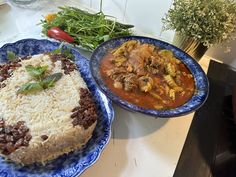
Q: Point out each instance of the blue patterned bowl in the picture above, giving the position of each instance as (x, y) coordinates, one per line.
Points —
(74, 163)
(201, 81)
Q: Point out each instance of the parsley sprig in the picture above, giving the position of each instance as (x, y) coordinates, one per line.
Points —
(42, 81)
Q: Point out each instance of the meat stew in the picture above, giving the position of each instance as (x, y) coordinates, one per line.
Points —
(147, 76)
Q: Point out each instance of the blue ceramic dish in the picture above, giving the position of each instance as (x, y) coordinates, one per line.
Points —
(75, 163)
(201, 81)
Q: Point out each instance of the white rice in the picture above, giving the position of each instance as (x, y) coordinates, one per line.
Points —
(45, 112)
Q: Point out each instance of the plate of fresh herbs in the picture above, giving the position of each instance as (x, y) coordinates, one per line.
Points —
(79, 27)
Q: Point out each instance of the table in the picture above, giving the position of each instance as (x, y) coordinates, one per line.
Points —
(140, 145)
(211, 139)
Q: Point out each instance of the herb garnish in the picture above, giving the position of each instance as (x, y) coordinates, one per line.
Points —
(65, 52)
(30, 88)
(36, 71)
(50, 80)
(43, 82)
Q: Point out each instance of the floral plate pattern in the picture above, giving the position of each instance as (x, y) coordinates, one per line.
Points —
(72, 164)
(200, 78)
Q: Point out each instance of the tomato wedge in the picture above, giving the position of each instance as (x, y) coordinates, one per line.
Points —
(59, 34)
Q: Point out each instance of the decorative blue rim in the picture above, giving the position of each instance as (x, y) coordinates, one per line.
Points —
(74, 163)
(201, 81)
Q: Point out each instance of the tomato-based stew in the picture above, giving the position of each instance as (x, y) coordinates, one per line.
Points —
(147, 76)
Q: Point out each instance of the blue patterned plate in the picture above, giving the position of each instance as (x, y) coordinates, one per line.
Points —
(74, 163)
(201, 81)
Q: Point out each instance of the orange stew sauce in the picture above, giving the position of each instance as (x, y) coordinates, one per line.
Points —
(159, 94)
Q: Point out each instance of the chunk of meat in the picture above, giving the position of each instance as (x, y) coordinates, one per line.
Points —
(130, 82)
(145, 83)
(118, 85)
(118, 70)
(137, 63)
(119, 61)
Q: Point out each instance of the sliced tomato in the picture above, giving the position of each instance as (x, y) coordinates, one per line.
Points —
(60, 35)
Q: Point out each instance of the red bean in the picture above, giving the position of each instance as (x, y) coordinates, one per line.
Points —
(13, 136)
(44, 137)
(84, 115)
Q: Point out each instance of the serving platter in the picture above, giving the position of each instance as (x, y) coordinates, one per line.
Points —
(201, 82)
(72, 164)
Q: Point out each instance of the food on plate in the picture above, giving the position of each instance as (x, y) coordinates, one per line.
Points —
(147, 76)
(86, 29)
(46, 109)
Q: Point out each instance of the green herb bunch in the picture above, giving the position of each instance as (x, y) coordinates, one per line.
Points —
(88, 30)
(207, 21)
(41, 80)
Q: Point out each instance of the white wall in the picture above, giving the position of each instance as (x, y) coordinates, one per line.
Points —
(144, 14)
(219, 52)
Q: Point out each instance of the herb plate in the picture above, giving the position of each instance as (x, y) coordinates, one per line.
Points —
(82, 27)
(72, 164)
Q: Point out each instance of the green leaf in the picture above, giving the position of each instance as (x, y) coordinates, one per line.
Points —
(68, 54)
(49, 81)
(36, 71)
(11, 56)
(57, 51)
(29, 88)
(64, 51)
